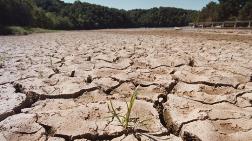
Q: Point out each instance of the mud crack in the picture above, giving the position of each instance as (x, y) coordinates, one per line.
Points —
(105, 136)
(30, 99)
(211, 84)
(158, 104)
(233, 101)
(33, 97)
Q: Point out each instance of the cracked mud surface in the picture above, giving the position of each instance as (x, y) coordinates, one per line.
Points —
(56, 86)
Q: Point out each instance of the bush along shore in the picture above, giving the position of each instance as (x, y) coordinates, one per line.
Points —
(18, 30)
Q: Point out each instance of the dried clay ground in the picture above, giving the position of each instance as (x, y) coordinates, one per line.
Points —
(192, 84)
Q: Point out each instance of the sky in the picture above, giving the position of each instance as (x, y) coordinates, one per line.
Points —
(145, 4)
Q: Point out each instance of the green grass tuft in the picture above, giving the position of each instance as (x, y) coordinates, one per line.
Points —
(126, 119)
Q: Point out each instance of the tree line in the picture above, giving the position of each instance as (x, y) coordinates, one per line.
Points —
(225, 10)
(56, 14)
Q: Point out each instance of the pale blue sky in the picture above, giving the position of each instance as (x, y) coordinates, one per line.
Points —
(144, 4)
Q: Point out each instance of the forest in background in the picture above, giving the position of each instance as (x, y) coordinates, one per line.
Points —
(56, 14)
(226, 10)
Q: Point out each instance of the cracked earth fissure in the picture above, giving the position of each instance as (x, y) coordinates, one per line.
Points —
(67, 80)
(170, 125)
(95, 137)
(211, 84)
(32, 97)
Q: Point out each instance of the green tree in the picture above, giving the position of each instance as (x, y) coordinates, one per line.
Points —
(229, 9)
(16, 12)
(210, 12)
(246, 12)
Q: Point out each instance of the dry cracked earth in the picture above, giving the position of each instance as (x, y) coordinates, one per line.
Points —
(57, 86)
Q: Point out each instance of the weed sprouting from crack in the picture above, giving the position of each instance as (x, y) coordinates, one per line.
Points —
(1, 62)
(125, 120)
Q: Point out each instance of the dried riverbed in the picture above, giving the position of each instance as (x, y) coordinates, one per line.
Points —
(56, 86)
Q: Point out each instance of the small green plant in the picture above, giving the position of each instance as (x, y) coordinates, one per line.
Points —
(123, 120)
(126, 119)
(1, 62)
